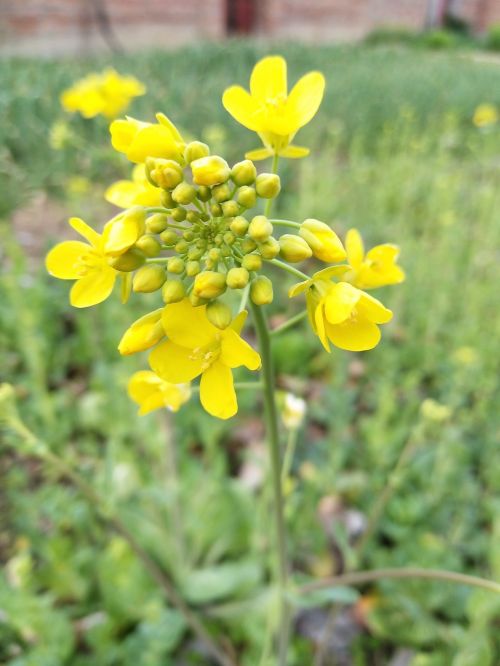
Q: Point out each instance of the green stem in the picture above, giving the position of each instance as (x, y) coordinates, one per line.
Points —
(289, 454)
(289, 323)
(157, 209)
(288, 268)
(272, 432)
(274, 169)
(285, 223)
(244, 298)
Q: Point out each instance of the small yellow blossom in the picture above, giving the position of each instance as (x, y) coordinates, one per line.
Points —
(139, 140)
(144, 333)
(135, 192)
(196, 347)
(106, 93)
(151, 392)
(270, 111)
(485, 116)
(376, 268)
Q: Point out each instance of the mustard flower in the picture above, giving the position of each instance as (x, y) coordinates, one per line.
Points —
(323, 241)
(144, 333)
(151, 392)
(196, 347)
(135, 192)
(139, 140)
(270, 111)
(376, 268)
(107, 94)
(485, 116)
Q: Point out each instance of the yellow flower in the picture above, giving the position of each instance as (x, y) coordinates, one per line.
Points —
(376, 268)
(196, 347)
(150, 392)
(139, 140)
(270, 111)
(323, 241)
(340, 313)
(135, 192)
(144, 333)
(106, 93)
(485, 115)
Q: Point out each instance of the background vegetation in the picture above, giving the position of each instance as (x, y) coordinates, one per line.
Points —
(395, 154)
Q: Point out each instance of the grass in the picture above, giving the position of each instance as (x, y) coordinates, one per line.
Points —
(396, 156)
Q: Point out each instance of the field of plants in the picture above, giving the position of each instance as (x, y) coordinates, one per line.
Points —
(396, 463)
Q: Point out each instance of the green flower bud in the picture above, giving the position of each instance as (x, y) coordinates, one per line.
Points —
(210, 264)
(221, 192)
(195, 253)
(130, 260)
(237, 278)
(246, 196)
(149, 245)
(210, 170)
(248, 245)
(188, 235)
(195, 150)
(175, 265)
(204, 216)
(260, 228)
(178, 214)
(225, 251)
(204, 193)
(156, 223)
(214, 254)
(244, 173)
(294, 248)
(181, 246)
(229, 238)
(252, 262)
(149, 278)
(230, 208)
(268, 185)
(261, 290)
(270, 248)
(216, 210)
(173, 291)
(209, 284)
(184, 194)
(196, 301)
(193, 217)
(193, 268)
(166, 199)
(169, 237)
(239, 226)
(219, 239)
(219, 314)
(165, 173)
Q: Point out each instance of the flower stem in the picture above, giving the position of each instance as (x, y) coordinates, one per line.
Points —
(274, 169)
(289, 323)
(285, 223)
(288, 268)
(271, 415)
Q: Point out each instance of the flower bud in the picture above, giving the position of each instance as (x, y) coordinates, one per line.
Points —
(169, 237)
(294, 248)
(195, 150)
(252, 262)
(195, 253)
(261, 290)
(204, 193)
(237, 278)
(221, 192)
(248, 245)
(149, 245)
(260, 228)
(239, 226)
(230, 208)
(175, 265)
(244, 173)
(197, 301)
(209, 284)
(173, 291)
(166, 199)
(193, 268)
(216, 210)
(165, 173)
(130, 260)
(219, 314)
(156, 223)
(229, 238)
(210, 170)
(268, 185)
(149, 278)
(270, 248)
(178, 214)
(246, 196)
(323, 241)
(181, 246)
(184, 194)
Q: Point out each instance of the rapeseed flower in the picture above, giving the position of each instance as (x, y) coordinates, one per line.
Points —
(151, 392)
(485, 115)
(270, 111)
(144, 333)
(376, 268)
(135, 192)
(139, 140)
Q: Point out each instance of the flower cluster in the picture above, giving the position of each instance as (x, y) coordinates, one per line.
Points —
(197, 228)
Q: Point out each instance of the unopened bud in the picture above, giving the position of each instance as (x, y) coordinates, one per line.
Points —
(214, 254)
(244, 173)
(181, 246)
(175, 265)
(178, 214)
(209, 284)
(195, 150)
(230, 208)
(294, 248)
(130, 260)
(268, 185)
(193, 217)
(197, 301)
(169, 237)
(323, 241)
(221, 192)
(219, 314)
(184, 194)
(237, 278)
(246, 196)
(229, 238)
(165, 173)
(149, 245)
(156, 223)
(252, 262)
(261, 290)
(270, 248)
(193, 268)
(216, 210)
(166, 199)
(260, 228)
(173, 291)
(239, 226)
(248, 245)
(149, 278)
(204, 193)
(195, 253)
(210, 170)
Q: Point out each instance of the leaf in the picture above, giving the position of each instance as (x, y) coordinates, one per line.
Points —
(337, 594)
(221, 582)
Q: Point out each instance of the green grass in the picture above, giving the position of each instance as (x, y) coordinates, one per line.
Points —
(396, 156)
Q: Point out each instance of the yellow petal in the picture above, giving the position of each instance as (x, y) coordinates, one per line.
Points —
(84, 230)
(174, 363)
(217, 393)
(120, 234)
(354, 248)
(354, 335)
(239, 321)
(93, 288)
(123, 194)
(123, 132)
(166, 122)
(144, 389)
(188, 326)
(305, 97)
(125, 287)
(294, 152)
(299, 288)
(320, 325)
(63, 260)
(259, 154)
(241, 105)
(153, 141)
(373, 309)
(340, 301)
(142, 334)
(268, 79)
(235, 351)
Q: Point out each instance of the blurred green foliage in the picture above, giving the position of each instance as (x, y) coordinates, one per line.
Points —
(394, 154)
